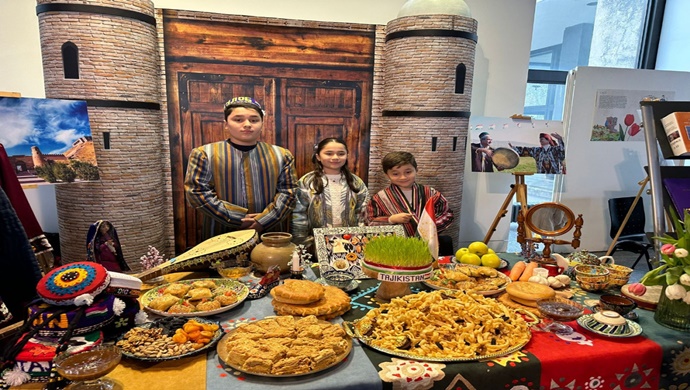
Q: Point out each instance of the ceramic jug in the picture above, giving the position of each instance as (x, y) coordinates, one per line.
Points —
(275, 249)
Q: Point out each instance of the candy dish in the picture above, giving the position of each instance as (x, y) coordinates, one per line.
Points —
(340, 279)
(350, 287)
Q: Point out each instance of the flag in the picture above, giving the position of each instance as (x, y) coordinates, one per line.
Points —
(426, 228)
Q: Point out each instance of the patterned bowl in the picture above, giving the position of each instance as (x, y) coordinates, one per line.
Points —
(619, 275)
(592, 283)
(337, 278)
(606, 322)
(592, 273)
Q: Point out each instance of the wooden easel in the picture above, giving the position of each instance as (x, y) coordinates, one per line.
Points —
(642, 184)
(519, 189)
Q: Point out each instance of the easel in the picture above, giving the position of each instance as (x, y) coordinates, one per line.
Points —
(519, 189)
(642, 184)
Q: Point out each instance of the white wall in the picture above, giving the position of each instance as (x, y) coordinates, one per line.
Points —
(505, 30)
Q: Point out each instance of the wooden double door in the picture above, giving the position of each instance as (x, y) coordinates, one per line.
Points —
(305, 102)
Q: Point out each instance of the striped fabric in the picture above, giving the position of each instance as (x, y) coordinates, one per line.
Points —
(225, 184)
(391, 200)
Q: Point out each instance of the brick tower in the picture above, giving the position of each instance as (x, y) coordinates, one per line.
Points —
(106, 52)
(428, 70)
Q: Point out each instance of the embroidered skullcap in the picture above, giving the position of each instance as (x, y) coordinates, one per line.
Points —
(243, 101)
(483, 135)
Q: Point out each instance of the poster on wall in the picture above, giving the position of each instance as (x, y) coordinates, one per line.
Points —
(508, 145)
(47, 140)
(617, 114)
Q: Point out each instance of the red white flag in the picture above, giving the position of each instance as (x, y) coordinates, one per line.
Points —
(426, 228)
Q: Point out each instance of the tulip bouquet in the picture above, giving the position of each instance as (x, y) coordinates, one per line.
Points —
(675, 272)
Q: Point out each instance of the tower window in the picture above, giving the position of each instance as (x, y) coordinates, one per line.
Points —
(460, 72)
(70, 60)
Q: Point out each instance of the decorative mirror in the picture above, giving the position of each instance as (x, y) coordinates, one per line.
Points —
(550, 220)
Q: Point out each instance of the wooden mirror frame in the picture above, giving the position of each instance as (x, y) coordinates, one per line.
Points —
(548, 237)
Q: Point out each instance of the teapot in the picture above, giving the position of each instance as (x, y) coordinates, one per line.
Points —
(585, 257)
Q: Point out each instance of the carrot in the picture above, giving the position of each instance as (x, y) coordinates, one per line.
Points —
(529, 270)
(517, 270)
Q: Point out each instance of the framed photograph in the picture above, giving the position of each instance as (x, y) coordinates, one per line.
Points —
(343, 247)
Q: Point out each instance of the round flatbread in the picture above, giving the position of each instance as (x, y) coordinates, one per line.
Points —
(334, 301)
(298, 292)
(527, 293)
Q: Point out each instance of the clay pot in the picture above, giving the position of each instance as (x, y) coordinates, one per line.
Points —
(274, 249)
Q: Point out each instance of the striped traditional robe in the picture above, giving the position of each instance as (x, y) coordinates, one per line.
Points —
(225, 184)
(315, 210)
(391, 200)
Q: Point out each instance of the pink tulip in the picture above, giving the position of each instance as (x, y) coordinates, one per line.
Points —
(668, 249)
(629, 119)
(634, 129)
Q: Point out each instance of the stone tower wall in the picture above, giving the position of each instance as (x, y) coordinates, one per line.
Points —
(119, 78)
(419, 103)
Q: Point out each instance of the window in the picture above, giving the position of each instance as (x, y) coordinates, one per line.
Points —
(572, 33)
(70, 60)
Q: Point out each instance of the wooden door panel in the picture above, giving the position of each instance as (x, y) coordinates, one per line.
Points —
(307, 132)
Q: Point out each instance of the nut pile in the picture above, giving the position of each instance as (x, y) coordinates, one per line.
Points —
(152, 343)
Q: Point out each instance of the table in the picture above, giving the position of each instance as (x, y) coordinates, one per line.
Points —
(657, 359)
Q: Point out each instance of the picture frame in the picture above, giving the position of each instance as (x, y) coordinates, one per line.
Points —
(342, 248)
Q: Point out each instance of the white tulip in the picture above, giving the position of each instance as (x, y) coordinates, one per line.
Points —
(685, 280)
(680, 253)
(675, 291)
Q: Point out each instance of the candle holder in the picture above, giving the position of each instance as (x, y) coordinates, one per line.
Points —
(297, 274)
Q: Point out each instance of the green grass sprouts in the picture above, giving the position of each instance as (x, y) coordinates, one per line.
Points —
(398, 251)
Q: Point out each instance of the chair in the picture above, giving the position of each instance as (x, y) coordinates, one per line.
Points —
(632, 237)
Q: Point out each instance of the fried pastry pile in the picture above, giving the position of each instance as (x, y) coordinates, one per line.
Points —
(324, 302)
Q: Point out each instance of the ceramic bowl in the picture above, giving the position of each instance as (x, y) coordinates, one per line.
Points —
(560, 309)
(618, 303)
(594, 283)
(337, 278)
(606, 322)
(619, 275)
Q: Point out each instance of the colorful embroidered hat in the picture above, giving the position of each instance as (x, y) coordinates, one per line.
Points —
(56, 320)
(73, 284)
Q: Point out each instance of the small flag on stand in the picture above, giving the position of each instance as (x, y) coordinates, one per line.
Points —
(426, 228)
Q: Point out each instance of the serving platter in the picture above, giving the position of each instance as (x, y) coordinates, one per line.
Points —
(442, 326)
(648, 300)
(439, 282)
(169, 325)
(368, 342)
(222, 350)
(238, 288)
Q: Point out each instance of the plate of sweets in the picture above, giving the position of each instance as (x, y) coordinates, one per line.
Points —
(170, 338)
(466, 277)
(284, 346)
(195, 297)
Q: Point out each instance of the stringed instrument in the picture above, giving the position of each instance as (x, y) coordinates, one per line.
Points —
(219, 248)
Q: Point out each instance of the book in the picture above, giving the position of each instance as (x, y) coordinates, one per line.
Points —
(679, 191)
(677, 128)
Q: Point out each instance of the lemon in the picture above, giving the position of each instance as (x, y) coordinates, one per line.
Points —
(461, 252)
(491, 260)
(491, 250)
(471, 258)
(478, 248)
